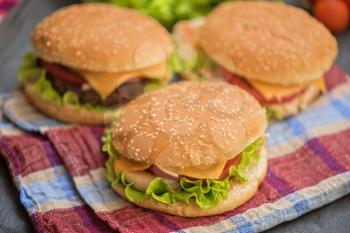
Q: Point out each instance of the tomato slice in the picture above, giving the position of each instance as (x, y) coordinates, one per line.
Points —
(225, 172)
(62, 73)
(239, 81)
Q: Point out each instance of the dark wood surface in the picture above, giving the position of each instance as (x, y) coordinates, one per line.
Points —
(15, 40)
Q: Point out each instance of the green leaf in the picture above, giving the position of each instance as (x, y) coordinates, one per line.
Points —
(107, 144)
(249, 156)
(70, 98)
(152, 85)
(30, 72)
(273, 114)
(133, 194)
(168, 12)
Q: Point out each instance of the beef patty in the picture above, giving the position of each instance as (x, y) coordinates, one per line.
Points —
(123, 94)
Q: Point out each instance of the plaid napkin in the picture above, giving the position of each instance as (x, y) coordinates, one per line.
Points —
(62, 184)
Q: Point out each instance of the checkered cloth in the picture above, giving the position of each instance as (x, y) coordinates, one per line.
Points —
(6, 6)
(62, 184)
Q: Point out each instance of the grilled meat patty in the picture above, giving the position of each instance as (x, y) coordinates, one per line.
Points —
(126, 92)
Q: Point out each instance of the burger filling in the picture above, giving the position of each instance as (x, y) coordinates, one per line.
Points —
(94, 91)
(279, 100)
(141, 180)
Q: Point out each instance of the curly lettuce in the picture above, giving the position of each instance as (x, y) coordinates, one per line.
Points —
(31, 72)
(168, 12)
(207, 193)
(194, 65)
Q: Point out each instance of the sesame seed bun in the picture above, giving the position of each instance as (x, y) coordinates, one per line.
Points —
(189, 124)
(239, 194)
(268, 41)
(101, 38)
(67, 113)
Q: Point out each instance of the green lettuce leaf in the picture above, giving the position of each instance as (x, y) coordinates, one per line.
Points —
(249, 155)
(30, 72)
(194, 65)
(168, 12)
(273, 114)
(206, 193)
(154, 84)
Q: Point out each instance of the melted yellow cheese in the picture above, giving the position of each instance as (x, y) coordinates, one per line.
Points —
(209, 172)
(124, 164)
(271, 91)
(320, 84)
(105, 83)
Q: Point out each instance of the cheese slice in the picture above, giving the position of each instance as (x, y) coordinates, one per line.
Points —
(208, 172)
(124, 164)
(105, 83)
(320, 84)
(271, 91)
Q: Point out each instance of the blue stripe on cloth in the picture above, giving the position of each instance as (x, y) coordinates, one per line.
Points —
(347, 176)
(322, 152)
(295, 125)
(19, 111)
(241, 223)
(27, 199)
(341, 107)
(61, 188)
(98, 194)
(300, 203)
(245, 228)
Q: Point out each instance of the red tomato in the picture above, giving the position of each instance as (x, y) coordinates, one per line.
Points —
(334, 14)
(62, 73)
(239, 81)
(347, 2)
(225, 172)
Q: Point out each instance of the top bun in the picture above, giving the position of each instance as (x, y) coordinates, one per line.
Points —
(101, 38)
(189, 124)
(268, 41)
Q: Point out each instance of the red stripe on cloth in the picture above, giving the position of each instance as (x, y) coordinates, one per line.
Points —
(334, 77)
(300, 169)
(79, 219)
(79, 148)
(339, 146)
(136, 219)
(28, 152)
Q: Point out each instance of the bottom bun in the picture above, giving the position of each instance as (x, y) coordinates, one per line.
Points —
(67, 113)
(239, 194)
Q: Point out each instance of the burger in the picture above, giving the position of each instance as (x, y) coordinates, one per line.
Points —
(91, 59)
(195, 148)
(278, 53)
